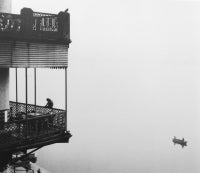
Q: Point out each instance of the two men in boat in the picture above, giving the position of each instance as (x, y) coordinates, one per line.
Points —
(182, 142)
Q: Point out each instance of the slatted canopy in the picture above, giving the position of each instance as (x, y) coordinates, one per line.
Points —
(32, 54)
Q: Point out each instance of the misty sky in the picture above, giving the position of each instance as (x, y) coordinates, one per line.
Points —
(133, 84)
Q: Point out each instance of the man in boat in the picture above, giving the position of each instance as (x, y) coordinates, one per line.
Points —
(182, 142)
(49, 103)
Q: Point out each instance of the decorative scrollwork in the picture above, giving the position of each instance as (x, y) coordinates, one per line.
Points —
(45, 24)
(36, 25)
(39, 14)
(9, 22)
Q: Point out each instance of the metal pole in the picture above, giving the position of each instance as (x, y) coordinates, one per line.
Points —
(16, 90)
(26, 101)
(66, 97)
(35, 86)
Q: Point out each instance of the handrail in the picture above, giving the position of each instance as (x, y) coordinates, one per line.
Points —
(41, 14)
(35, 118)
(13, 102)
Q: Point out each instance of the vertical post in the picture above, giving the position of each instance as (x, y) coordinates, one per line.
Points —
(66, 97)
(35, 82)
(27, 21)
(5, 7)
(6, 116)
(64, 25)
(26, 101)
(16, 90)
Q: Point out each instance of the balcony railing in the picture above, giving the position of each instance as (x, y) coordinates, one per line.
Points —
(39, 124)
(35, 26)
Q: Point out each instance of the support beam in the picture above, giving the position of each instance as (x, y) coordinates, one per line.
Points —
(35, 88)
(4, 88)
(16, 84)
(66, 97)
(16, 77)
(26, 154)
(26, 82)
(5, 6)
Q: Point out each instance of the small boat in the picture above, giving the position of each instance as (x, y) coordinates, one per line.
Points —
(181, 142)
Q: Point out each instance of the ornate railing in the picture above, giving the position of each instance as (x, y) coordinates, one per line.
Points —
(46, 23)
(10, 22)
(39, 122)
(35, 26)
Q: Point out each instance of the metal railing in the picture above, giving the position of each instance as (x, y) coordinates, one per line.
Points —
(40, 122)
(36, 26)
(10, 22)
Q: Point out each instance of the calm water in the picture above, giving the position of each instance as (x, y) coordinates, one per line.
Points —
(133, 84)
(125, 122)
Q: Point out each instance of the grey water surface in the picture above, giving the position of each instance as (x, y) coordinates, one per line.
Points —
(133, 84)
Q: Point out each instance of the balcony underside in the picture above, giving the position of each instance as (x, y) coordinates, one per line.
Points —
(39, 127)
(13, 144)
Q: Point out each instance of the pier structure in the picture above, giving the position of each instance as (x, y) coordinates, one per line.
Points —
(32, 40)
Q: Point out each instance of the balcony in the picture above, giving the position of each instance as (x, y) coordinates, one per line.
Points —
(34, 40)
(32, 126)
(35, 27)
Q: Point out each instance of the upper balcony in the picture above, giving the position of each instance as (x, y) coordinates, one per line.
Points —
(34, 40)
(35, 27)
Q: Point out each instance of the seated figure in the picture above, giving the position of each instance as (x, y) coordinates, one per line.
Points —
(49, 103)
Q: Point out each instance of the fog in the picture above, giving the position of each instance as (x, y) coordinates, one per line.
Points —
(133, 84)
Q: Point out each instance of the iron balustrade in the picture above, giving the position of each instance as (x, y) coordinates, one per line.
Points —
(47, 23)
(35, 26)
(41, 122)
(40, 14)
(10, 22)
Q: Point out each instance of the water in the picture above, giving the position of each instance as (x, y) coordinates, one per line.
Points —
(133, 84)
(127, 123)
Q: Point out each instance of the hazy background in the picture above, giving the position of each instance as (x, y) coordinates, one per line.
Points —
(133, 84)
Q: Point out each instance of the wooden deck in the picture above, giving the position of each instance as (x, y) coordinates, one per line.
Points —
(41, 126)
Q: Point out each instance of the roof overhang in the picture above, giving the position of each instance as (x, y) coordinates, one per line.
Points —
(32, 54)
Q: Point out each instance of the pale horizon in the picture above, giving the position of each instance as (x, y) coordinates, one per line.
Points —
(133, 84)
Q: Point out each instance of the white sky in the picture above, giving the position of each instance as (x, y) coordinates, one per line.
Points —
(134, 79)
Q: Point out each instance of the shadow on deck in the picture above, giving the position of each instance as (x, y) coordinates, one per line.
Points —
(39, 127)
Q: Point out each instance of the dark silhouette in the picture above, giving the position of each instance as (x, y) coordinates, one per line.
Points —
(38, 171)
(49, 103)
(182, 142)
(5, 158)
